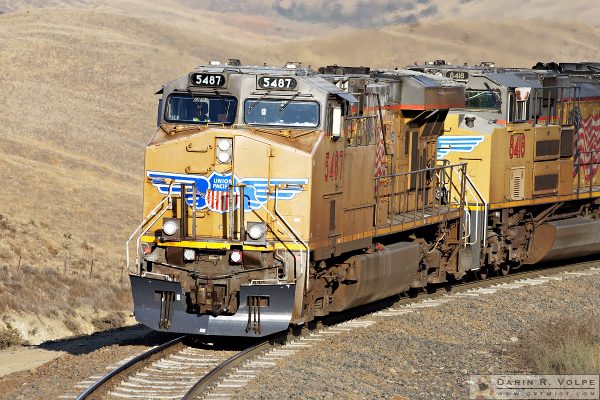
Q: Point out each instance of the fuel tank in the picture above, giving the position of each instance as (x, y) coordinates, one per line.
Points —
(379, 275)
(563, 239)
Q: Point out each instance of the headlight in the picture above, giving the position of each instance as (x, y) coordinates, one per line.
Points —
(224, 152)
(189, 254)
(169, 227)
(224, 144)
(255, 232)
(223, 158)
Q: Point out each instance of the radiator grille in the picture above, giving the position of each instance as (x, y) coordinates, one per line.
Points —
(566, 142)
(546, 148)
(545, 182)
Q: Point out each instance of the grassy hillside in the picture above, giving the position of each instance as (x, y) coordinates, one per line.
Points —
(505, 41)
(79, 106)
(78, 79)
(378, 13)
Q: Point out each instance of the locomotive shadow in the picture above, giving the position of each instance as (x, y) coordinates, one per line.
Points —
(136, 335)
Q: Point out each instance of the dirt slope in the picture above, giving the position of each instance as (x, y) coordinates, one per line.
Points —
(78, 107)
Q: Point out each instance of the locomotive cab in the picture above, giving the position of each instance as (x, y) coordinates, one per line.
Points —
(227, 199)
(276, 195)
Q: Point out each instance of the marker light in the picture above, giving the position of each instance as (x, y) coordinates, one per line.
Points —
(236, 257)
(189, 254)
(169, 228)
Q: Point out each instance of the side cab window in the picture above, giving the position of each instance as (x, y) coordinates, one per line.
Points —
(335, 112)
(519, 104)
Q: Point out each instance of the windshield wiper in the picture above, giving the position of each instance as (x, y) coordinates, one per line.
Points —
(227, 107)
(197, 104)
(489, 89)
(289, 101)
(251, 107)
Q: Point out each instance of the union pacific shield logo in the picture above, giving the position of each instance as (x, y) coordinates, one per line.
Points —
(213, 190)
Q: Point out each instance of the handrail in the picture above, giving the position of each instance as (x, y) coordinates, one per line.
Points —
(465, 206)
(306, 267)
(420, 187)
(485, 209)
(420, 171)
(591, 163)
(285, 231)
(150, 216)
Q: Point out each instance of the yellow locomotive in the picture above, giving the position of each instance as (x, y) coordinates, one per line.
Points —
(274, 195)
(531, 138)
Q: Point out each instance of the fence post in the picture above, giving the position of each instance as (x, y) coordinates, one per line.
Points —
(65, 263)
(122, 270)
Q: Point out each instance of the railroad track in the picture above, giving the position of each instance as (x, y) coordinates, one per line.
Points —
(167, 371)
(177, 371)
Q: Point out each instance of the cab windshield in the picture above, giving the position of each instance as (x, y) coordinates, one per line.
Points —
(482, 99)
(199, 109)
(300, 114)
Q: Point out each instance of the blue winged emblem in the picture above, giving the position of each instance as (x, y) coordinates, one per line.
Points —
(257, 189)
(462, 144)
(162, 181)
(214, 195)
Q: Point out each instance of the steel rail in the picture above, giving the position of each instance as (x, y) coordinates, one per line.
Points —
(129, 364)
(212, 377)
(442, 289)
(516, 275)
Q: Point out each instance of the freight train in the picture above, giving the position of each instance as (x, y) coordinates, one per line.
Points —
(273, 196)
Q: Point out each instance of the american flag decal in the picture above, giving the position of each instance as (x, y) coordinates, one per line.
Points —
(380, 167)
(218, 200)
(587, 146)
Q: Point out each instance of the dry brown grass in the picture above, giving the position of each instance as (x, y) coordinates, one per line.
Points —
(48, 291)
(10, 337)
(72, 325)
(567, 346)
(111, 321)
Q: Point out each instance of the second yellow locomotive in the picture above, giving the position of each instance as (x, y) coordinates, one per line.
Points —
(532, 144)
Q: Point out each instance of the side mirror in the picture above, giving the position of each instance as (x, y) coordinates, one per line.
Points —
(159, 112)
(336, 123)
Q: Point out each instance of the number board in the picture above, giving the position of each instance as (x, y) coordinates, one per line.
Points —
(276, 83)
(200, 79)
(457, 75)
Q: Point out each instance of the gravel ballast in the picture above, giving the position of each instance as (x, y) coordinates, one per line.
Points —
(430, 352)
